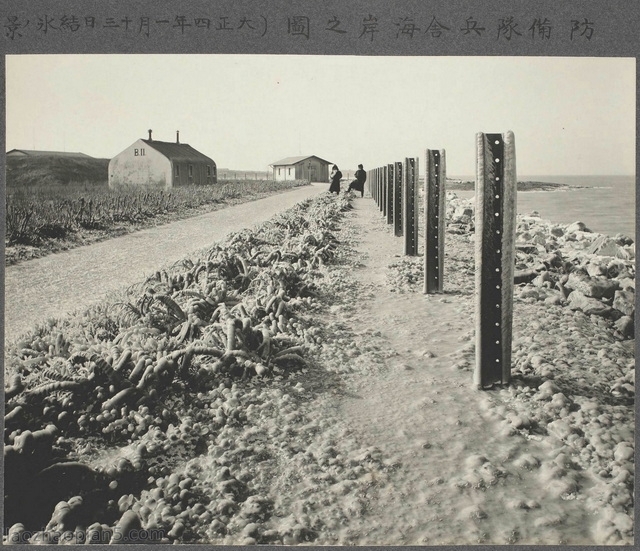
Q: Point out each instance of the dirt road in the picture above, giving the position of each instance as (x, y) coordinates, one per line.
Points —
(60, 283)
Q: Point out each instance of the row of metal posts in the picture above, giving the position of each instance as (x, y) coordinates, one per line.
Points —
(394, 188)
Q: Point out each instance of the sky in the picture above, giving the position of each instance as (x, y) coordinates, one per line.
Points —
(570, 116)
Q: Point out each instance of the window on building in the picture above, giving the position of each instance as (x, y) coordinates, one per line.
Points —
(190, 171)
(289, 172)
(178, 170)
(279, 171)
(208, 170)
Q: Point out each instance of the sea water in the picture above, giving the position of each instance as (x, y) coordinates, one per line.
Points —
(606, 204)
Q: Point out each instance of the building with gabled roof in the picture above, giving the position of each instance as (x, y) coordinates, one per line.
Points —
(302, 167)
(165, 164)
(37, 153)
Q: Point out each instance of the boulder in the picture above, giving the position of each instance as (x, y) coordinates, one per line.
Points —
(596, 287)
(631, 249)
(526, 248)
(595, 270)
(588, 305)
(623, 452)
(605, 246)
(558, 231)
(524, 276)
(530, 292)
(625, 301)
(577, 226)
(616, 268)
(565, 292)
(622, 239)
(585, 237)
(626, 326)
(542, 278)
(553, 260)
(539, 238)
(462, 215)
(555, 298)
(523, 237)
(627, 284)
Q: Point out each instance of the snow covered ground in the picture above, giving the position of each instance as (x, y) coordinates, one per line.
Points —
(382, 439)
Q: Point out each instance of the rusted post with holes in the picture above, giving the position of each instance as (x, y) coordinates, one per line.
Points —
(435, 177)
(385, 188)
(382, 190)
(369, 182)
(383, 185)
(397, 199)
(410, 200)
(390, 194)
(373, 183)
(495, 221)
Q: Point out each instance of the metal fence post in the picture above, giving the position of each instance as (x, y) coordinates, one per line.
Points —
(435, 177)
(368, 181)
(397, 199)
(381, 185)
(409, 195)
(377, 185)
(495, 223)
(381, 179)
(385, 187)
(390, 179)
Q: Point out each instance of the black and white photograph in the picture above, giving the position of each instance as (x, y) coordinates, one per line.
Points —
(318, 300)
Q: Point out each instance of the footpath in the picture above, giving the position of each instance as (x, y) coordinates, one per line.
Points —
(458, 465)
(60, 283)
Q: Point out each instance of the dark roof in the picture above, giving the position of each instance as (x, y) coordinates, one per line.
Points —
(296, 160)
(178, 151)
(35, 153)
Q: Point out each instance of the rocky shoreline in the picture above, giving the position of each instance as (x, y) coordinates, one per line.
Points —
(573, 371)
(568, 264)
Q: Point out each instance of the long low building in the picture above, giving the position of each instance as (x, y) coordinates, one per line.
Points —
(38, 153)
(164, 164)
(304, 167)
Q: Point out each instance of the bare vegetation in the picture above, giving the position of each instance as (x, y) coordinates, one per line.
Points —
(54, 203)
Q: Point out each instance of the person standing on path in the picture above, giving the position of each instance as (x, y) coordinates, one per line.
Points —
(336, 175)
(358, 183)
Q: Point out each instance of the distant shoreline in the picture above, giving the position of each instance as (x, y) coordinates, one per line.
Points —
(527, 185)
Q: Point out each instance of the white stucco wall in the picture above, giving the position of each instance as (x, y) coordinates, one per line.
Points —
(287, 172)
(140, 164)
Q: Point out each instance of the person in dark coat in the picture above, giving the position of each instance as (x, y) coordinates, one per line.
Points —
(358, 183)
(336, 176)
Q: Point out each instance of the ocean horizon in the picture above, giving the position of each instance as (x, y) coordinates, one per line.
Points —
(606, 204)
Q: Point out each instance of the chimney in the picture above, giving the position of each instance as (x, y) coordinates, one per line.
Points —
(150, 135)
(177, 136)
